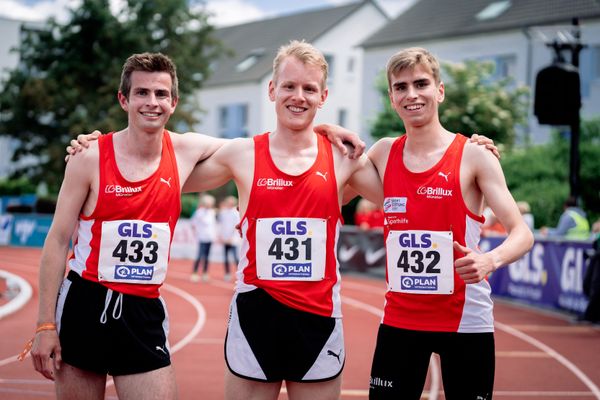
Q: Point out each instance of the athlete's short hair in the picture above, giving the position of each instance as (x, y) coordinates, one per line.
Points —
(306, 53)
(148, 62)
(410, 58)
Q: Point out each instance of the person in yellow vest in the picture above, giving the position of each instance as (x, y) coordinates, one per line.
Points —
(573, 223)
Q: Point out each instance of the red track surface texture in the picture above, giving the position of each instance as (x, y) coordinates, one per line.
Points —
(539, 356)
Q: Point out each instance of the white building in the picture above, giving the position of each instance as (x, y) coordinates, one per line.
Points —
(11, 32)
(235, 98)
(507, 32)
(10, 36)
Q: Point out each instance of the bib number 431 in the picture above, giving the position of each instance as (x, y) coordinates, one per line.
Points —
(291, 248)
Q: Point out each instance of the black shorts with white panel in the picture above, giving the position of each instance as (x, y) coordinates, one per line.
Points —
(270, 342)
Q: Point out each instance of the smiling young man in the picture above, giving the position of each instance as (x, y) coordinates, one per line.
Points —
(285, 317)
(123, 197)
(438, 298)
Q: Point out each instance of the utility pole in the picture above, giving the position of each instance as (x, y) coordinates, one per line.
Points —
(575, 48)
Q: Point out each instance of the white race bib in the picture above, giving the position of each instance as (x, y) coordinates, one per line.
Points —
(134, 251)
(291, 249)
(420, 262)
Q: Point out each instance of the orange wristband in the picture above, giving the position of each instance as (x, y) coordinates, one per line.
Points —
(47, 326)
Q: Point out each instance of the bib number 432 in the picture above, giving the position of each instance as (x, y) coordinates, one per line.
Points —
(420, 262)
(417, 261)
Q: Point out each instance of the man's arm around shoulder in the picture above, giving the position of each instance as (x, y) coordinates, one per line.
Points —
(218, 169)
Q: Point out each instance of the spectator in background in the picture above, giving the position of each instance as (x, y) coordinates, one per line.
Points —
(227, 234)
(204, 223)
(362, 214)
(368, 215)
(526, 213)
(591, 281)
(573, 223)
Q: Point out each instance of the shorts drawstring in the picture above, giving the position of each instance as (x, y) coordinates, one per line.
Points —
(117, 309)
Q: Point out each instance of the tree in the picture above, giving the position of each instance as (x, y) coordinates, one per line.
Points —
(69, 74)
(474, 102)
(540, 174)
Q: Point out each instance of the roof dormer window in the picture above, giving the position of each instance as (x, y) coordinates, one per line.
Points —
(493, 10)
(250, 60)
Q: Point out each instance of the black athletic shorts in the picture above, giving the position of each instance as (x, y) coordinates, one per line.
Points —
(109, 332)
(402, 358)
(270, 342)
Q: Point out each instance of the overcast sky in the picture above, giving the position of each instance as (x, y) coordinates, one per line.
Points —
(226, 12)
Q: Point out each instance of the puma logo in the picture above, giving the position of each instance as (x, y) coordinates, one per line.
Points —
(159, 347)
(331, 353)
(445, 176)
(322, 175)
(167, 182)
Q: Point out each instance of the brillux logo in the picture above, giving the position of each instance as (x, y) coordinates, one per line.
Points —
(434, 192)
(122, 190)
(277, 184)
(375, 381)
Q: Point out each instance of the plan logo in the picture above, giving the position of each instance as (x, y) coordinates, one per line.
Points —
(292, 270)
(419, 283)
(141, 273)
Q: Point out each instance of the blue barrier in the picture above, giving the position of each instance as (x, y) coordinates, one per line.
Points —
(549, 276)
(30, 229)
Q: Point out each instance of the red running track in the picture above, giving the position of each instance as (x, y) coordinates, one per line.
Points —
(539, 356)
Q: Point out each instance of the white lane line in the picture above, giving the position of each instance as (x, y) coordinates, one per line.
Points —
(200, 321)
(20, 299)
(552, 353)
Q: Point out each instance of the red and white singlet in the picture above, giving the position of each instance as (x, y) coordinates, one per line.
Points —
(290, 232)
(424, 213)
(124, 243)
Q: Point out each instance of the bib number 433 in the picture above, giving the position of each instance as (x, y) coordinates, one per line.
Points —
(134, 251)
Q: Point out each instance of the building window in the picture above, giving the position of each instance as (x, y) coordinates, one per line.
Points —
(342, 117)
(351, 65)
(504, 66)
(233, 121)
(589, 69)
(250, 60)
(493, 10)
(329, 58)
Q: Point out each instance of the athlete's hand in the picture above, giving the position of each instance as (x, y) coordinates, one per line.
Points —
(339, 136)
(473, 267)
(46, 353)
(82, 142)
(487, 142)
